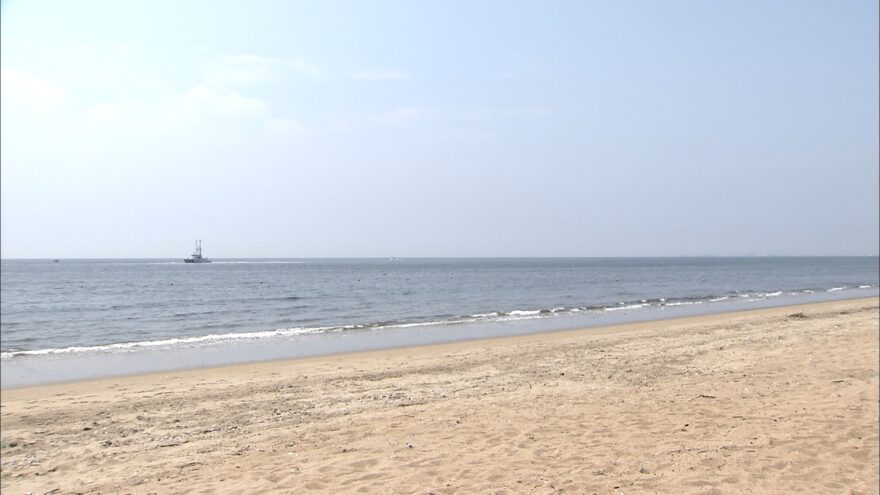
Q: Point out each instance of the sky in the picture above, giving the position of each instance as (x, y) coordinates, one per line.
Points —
(438, 129)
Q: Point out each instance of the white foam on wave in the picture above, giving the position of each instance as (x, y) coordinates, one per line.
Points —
(521, 312)
(864, 287)
(202, 339)
(628, 306)
(422, 324)
(722, 298)
(773, 294)
(683, 303)
(485, 315)
(835, 289)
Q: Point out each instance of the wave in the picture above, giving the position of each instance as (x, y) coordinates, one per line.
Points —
(212, 338)
(485, 315)
(622, 306)
(491, 316)
(524, 312)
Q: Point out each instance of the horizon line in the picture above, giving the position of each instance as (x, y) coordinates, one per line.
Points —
(874, 255)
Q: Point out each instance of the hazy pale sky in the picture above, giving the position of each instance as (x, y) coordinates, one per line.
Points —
(474, 128)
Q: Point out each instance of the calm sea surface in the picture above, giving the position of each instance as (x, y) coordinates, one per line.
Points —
(100, 307)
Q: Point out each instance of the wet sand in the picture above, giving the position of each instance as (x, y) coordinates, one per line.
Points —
(771, 401)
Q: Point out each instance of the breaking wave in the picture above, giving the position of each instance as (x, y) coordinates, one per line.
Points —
(490, 316)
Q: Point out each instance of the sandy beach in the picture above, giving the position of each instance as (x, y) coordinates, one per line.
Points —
(768, 401)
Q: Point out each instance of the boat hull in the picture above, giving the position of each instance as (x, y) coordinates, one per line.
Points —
(197, 255)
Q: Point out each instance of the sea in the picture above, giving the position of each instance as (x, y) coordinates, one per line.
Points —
(74, 319)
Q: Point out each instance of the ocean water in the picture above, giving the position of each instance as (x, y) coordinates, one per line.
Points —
(61, 313)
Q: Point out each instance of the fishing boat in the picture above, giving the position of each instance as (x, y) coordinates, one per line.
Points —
(197, 255)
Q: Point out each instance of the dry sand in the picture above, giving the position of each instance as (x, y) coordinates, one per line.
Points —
(769, 401)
